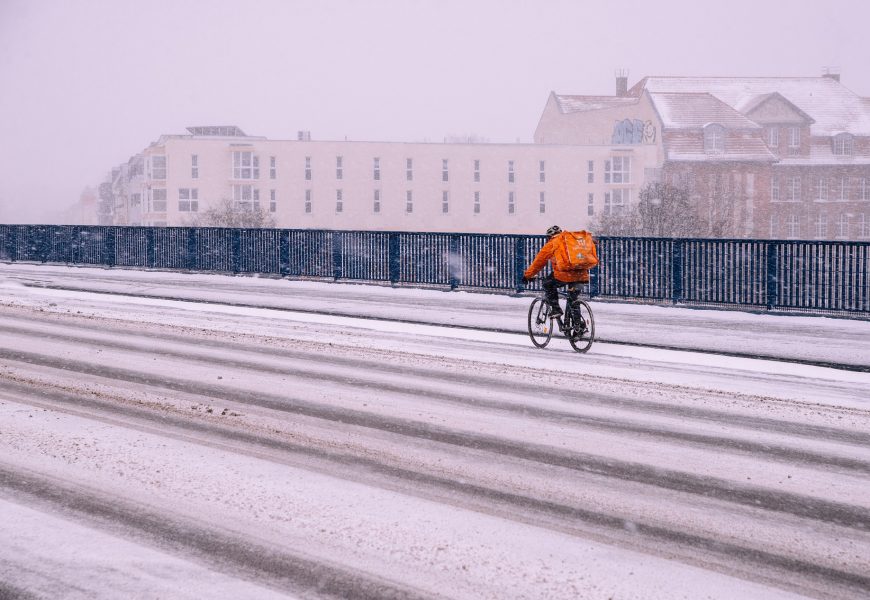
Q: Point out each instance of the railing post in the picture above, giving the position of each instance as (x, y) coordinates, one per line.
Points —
(12, 243)
(677, 271)
(283, 252)
(109, 246)
(42, 244)
(394, 266)
(772, 268)
(519, 262)
(150, 250)
(453, 260)
(235, 250)
(192, 246)
(337, 245)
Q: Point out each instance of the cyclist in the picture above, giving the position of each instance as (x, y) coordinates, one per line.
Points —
(562, 273)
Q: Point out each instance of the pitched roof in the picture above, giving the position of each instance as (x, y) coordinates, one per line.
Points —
(569, 104)
(833, 106)
(740, 148)
(695, 110)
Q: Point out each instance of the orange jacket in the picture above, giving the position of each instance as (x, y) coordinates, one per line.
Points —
(561, 271)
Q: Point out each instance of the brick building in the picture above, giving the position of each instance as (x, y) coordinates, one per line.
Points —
(761, 157)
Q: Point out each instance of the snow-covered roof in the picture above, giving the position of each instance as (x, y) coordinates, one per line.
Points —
(218, 130)
(833, 106)
(569, 104)
(697, 109)
(739, 148)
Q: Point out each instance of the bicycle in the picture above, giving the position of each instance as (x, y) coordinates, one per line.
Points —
(576, 324)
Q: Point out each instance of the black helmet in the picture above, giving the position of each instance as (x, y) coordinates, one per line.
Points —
(554, 230)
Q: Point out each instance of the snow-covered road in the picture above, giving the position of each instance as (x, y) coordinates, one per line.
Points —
(261, 438)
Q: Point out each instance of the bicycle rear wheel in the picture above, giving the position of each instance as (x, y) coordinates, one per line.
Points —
(582, 332)
(540, 326)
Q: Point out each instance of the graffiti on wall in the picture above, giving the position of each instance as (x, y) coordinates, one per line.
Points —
(635, 131)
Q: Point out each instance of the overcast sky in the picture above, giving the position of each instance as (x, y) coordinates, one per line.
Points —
(85, 84)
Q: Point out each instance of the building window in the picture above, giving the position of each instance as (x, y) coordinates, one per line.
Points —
(476, 170)
(409, 169)
(339, 169)
(590, 204)
(376, 205)
(773, 137)
(714, 138)
(542, 203)
(157, 199)
(842, 191)
(188, 200)
(822, 226)
(617, 170)
(307, 201)
(273, 204)
(590, 171)
(865, 189)
(376, 169)
(842, 144)
(409, 201)
(158, 167)
(510, 171)
(135, 199)
(445, 202)
(273, 168)
(616, 201)
(822, 190)
(339, 202)
(794, 189)
(794, 140)
(774, 189)
(542, 177)
(194, 166)
(774, 226)
(246, 196)
(843, 225)
(793, 226)
(512, 205)
(445, 176)
(477, 203)
(307, 168)
(246, 165)
(863, 226)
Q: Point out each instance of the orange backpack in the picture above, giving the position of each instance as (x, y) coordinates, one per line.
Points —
(579, 251)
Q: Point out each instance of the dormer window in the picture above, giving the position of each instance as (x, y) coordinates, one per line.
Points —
(842, 144)
(714, 138)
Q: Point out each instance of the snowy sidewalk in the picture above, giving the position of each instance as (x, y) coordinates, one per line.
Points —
(818, 340)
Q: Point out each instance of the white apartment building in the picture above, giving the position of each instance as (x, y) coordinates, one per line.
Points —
(389, 186)
(766, 157)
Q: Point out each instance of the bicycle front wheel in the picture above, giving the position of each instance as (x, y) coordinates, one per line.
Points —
(582, 332)
(540, 326)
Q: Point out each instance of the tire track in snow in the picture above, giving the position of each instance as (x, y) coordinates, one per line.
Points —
(757, 497)
(264, 564)
(543, 513)
(194, 352)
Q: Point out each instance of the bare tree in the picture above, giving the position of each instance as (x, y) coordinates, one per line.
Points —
(228, 213)
(662, 210)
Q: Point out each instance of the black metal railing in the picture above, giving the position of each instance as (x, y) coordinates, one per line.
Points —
(808, 276)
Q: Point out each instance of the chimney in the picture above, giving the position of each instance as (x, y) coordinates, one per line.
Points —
(831, 73)
(621, 83)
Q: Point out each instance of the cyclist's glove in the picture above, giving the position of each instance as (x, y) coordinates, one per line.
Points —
(526, 280)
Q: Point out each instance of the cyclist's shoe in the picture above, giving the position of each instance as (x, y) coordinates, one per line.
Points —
(555, 311)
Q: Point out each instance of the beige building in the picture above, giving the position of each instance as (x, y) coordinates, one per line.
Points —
(492, 188)
(760, 157)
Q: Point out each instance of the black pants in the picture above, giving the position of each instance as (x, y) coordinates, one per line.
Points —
(551, 286)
